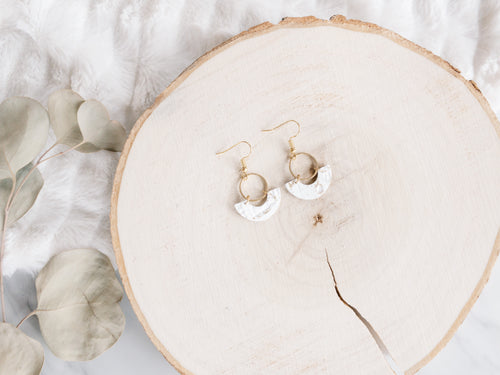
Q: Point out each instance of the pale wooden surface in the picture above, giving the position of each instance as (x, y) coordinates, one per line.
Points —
(410, 221)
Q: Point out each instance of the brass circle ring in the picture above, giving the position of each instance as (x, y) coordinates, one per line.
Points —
(246, 196)
(314, 163)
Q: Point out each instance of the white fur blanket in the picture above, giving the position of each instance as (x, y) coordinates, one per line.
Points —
(124, 53)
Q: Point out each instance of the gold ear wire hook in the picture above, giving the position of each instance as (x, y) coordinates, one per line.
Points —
(243, 159)
(290, 140)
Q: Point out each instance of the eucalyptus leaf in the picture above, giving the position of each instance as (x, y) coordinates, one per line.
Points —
(78, 304)
(62, 106)
(19, 353)
(26, 196)
(24, 127)
(98, 129)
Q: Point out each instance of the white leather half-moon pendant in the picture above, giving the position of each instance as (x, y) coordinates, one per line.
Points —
(262, 212)
(314, 190)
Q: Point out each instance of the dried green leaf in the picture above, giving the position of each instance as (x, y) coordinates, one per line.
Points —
(62, 106)
(78, 304)
(24, 127)
(19, 353)
(92, 125)
(26, 196)
(98, 129)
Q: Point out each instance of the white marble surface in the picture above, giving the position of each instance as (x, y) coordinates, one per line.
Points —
(474, 350)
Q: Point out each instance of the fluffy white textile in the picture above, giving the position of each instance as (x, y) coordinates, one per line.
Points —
(124, 53)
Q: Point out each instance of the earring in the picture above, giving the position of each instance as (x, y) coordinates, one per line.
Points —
(271, 198)
(321, 177)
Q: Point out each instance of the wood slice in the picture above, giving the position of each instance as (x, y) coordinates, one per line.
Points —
(410, 223)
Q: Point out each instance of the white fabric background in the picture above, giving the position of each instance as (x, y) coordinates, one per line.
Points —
(124, 53)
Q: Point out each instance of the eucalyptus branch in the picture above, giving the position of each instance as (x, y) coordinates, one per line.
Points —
(23, 139)
(13, 194)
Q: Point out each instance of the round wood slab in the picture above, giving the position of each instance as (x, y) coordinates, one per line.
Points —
(410, 222)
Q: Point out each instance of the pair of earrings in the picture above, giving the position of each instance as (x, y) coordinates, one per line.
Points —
(308, 188)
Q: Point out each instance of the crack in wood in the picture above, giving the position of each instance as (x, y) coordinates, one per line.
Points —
(378, 340)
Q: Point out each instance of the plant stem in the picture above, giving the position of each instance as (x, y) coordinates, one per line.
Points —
(13, 194)
(27, 317)
(2, 245)
(40, 161)
(47, 151)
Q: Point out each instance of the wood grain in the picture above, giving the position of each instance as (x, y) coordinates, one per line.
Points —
(410, 222)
